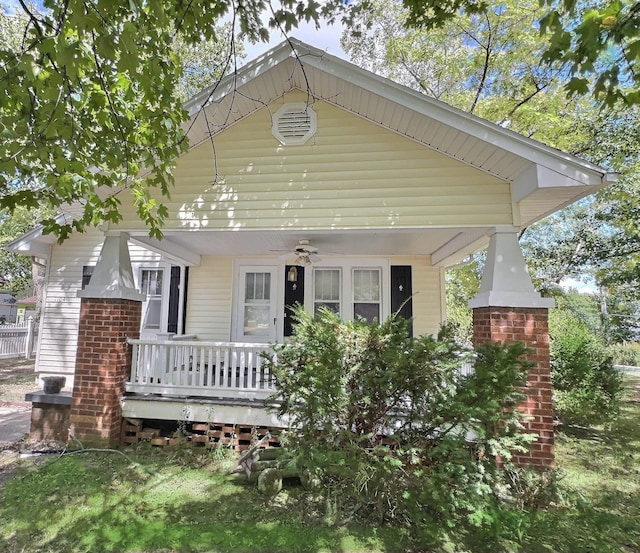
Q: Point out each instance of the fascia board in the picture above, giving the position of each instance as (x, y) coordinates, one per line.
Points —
(536, 177)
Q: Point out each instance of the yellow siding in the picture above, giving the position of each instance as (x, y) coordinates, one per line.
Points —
(58, 337)
(209, 299)
(351, 174)
(427, 283)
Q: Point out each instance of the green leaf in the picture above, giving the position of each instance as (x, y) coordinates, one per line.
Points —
(577, 85)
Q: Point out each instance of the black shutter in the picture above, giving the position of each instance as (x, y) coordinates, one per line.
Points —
(293, 294)
(401, 291)
(174, 299)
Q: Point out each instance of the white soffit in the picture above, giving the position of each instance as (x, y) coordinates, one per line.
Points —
(446, 245)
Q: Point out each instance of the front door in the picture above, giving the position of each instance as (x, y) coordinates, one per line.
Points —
(256, 320)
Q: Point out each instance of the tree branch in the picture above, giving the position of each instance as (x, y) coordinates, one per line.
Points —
(485, 69)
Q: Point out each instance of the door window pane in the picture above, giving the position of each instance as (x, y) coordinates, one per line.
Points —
(326, 288)
(257, 304)
(152, 314)
(257, 286)
(152, 282)
(256, 320)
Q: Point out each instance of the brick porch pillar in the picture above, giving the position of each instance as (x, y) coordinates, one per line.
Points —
(110, 313)
(529, 326)
(103, 362)
(508, 309)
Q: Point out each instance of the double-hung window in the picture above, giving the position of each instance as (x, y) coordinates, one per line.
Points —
(352, 290)
(151, 282)
(327, 288)
(366, 294)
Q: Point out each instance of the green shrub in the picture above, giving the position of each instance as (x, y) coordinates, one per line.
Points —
(627, 353)
(391, 425)
(587, 387)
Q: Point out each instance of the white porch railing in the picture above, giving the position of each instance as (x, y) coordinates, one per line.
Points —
(184, 366)
(17, 340)
(181, 367)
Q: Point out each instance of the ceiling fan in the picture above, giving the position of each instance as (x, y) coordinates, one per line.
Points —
(303, 254)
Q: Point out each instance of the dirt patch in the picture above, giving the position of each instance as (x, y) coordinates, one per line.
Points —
(12, 456)
(17, 378)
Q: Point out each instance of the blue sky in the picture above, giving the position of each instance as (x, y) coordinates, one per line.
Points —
(326, 38)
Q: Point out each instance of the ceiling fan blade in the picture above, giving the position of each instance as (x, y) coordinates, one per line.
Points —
(287, 256)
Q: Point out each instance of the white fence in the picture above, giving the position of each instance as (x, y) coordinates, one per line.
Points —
(181, 367)
(18, 339)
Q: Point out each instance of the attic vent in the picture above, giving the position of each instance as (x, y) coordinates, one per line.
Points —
(294, 123)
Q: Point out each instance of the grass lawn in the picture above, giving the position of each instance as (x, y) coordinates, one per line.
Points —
(186, 501)
(600, 472)
(17, 377)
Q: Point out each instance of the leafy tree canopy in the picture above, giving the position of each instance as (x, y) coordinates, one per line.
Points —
(15, 270)
(95, 88)
(598, 41)
(94, 96)
(487, 63)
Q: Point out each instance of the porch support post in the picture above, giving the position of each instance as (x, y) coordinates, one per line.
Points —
(110, 313)
(508, 309)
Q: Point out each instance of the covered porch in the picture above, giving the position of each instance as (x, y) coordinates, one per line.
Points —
(223, 364)
(188, 378)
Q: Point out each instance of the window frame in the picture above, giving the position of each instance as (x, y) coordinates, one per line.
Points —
(347, 267)
(377, 302)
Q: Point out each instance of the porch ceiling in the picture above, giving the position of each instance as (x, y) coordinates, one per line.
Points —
(446, 246)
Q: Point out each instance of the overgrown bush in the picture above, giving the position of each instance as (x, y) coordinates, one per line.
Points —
(390, 423)
(627, 353)
(587, 387)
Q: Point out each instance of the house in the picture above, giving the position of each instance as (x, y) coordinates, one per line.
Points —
(26, 307)
(308, 180)
(7, 307)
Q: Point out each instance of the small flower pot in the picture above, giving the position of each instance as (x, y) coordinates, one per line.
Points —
(53, 384)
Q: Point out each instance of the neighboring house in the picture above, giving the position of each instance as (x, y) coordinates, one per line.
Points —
(7, 307)
(26, 307)
(309, 180)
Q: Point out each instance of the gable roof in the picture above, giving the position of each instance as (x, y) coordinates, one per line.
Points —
(543, 179)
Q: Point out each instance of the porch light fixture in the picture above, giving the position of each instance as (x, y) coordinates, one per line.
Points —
(292, 275)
